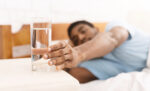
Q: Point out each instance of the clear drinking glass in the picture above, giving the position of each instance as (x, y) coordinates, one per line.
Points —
(40, 40)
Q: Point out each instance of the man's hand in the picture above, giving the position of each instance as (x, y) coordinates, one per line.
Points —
(62, 55)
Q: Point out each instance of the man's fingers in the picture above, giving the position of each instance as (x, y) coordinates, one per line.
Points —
(66, 64)
(68, 57)
(61, 60)
(60, 45)
(47, 51)
(40, 51)
(58, 61)
(60, 52)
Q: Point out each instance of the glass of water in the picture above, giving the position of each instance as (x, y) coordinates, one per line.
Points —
(40, 41)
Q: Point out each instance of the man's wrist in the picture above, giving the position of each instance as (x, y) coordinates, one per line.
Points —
(81, 55)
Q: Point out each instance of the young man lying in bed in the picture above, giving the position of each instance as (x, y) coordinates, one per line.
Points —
(100, 55)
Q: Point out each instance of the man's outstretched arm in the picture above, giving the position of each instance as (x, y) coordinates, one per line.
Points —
(64, 56)
(103, 43)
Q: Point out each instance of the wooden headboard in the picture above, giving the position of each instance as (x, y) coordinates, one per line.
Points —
(18, 44)
(59, 31)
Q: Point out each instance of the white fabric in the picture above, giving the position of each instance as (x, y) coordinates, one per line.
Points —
(133, 81)
(148, 60)
(16, 75)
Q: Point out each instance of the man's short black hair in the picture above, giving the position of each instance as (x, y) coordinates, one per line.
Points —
(77, 23)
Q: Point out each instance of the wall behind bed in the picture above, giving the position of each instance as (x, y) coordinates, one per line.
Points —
(14, 11)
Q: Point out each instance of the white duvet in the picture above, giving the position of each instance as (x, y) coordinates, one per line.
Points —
(133, 81)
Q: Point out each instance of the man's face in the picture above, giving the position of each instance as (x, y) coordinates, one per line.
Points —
(82, 33)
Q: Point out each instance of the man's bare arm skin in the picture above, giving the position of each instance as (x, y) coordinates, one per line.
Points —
(102, 44)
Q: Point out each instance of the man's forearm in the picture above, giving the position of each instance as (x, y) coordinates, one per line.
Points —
(97, 47)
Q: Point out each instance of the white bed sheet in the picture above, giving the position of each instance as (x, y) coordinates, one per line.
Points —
(133, 81)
